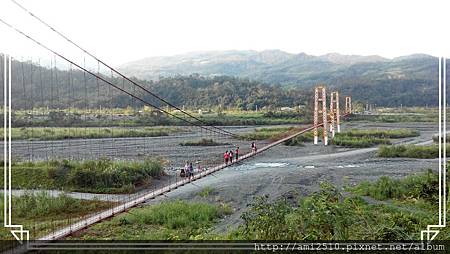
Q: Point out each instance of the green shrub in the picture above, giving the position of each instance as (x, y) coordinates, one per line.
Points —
(358, 142)
(172, 220)
(300, 139)
(102, 175)
(418, 186)
(367, 138)
(203, 142)
(410, 151)
(327, 215)
(269, 133)
(377, 133)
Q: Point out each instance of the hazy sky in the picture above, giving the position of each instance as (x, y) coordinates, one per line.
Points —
(121, 31)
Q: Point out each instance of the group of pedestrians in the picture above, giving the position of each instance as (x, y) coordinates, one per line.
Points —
(228, 156)
(188, 170)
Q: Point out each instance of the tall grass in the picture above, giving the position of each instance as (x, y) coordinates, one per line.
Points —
(273, 133)
(378, 133)
(203, 142)
(41, 213)
(418, 186)
(301, 139)
(102, 176)
(41, 204)
(358, 142)
(410, 151)
(40, 133)
(328, 215)
(367, 138)
(172, 220)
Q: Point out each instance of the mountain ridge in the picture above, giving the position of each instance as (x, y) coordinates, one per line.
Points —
(279, 67)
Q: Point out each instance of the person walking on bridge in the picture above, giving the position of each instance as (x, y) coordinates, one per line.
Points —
(225, 157)
(253, 147)
(186, 169)
(191, 171)
(237, 153)
(230, 155)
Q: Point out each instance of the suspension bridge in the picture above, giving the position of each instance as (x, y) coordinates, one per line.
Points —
(64, 87)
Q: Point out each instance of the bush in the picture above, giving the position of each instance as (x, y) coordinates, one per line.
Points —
(367, 138)
(300, 139)
(358, 142)
(418, 186)
(104, 175)
(327, 215)
(274, 133)
(203, 142)
(394, 133)
(410, 151)
(43, 204)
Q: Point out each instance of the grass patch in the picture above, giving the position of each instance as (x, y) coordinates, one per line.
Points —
(418, 186)
(301, 139)
(174, 220)
(368, 138)
(205, 192)
(273, 133)
(59, 133)
(203, 142)
(358, 142)
(42, 213)
(377, 133)
(100, 176)
(328, 215)
(409, 206)
(410, 151)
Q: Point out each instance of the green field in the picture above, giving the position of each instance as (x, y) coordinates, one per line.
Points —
(42, 214)
(100, 176)
(128, 117)
(367, 138)
(272, 133)
(173, 220)
(203, 142)
(387, 209)
(58, 133)
(410, 151)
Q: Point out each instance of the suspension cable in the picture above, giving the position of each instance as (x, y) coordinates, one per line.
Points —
(117, 72)
(109, 83)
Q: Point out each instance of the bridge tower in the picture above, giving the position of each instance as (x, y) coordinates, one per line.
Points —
(334, 113)
(320, 97)
(348, 105)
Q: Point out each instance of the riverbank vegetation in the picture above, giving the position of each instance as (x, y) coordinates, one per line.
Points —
(41, 213)
(367, 138)
(388, 209)
(98, 176)
(410, 151)
(272, 133)
(203, 142)
(172, 220)
(59, 133)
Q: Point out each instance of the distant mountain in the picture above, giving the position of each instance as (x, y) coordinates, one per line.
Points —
(276, 66)
(408, 80)
(241, 79)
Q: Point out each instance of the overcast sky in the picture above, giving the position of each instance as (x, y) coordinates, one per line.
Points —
(122, 31)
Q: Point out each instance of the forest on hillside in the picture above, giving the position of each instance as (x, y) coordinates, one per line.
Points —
(35, 86)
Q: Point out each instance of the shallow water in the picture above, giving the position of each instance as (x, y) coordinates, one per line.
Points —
(261, 165)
